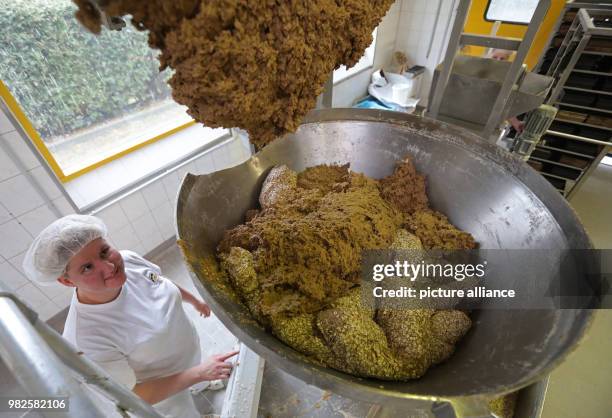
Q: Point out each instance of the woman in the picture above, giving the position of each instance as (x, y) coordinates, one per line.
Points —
(124, 315)
(505, 55)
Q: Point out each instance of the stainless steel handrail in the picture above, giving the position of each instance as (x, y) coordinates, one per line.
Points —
(579, 138)
(39, 359)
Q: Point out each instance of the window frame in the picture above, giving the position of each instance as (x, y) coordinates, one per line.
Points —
(15, 108)
(508, 22)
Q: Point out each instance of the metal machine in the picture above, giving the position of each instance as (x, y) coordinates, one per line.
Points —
(47, 365)
(480, 93)
(474, 85)
(537, 123)
(483, 190)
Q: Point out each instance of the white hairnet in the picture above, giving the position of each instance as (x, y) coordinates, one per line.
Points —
(48, 256)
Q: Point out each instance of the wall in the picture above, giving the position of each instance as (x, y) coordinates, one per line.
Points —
(141, 221)
(417, 30)
(355, 87)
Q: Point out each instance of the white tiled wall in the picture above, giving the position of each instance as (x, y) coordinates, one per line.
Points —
(23, 214)
(141, 221)
(408, 27)
(415, 32)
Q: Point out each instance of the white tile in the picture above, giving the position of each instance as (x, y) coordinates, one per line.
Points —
(92, 186)
(47, 310)
(432, 6)
(155, 194)
(125, 238)
(113, 216)
(54, 290)
(75, 195)
(46, 182)
(109, 239)
(204, 164)
(13, 239)
(62, 300)
(20, 147)
(5, 216)
(114, 174)
(182, 171)
(235, 152)
(155, 156)
(12, 277)
(221, 158)
(147, 231)
(128, 168)
(37, 220)
(171, 183)
(63, 205)
(164, 217)
(32, 295)
(17, 263)
(137, 165)
(134, 205)
(5, 123)
(7, 166)
(18, 195)
(139, 249)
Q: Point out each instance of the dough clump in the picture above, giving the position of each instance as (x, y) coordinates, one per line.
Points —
(295, 263)
(257, 65)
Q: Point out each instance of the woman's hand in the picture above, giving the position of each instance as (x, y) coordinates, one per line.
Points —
(519, 126)
(201, 307)
(215, 367)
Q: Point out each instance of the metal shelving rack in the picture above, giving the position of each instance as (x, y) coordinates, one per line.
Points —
(576, 142)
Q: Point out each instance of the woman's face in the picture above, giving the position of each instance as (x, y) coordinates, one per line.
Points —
(98, 267)
(500, 55)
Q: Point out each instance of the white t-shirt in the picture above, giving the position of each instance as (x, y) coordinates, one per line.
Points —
(143, 334)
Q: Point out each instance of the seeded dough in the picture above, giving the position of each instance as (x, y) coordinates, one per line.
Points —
(296, 262)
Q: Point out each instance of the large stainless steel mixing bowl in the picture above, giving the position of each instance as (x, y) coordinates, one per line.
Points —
(481, 188)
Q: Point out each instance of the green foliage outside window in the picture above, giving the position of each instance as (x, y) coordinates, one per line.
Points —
(66, 78)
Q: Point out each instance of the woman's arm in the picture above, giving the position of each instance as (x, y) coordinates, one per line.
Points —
(199, 305)
(156, 390)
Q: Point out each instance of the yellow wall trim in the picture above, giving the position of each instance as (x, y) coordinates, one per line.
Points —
(27, 126)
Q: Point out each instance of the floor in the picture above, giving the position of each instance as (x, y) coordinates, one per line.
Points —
(581, 386)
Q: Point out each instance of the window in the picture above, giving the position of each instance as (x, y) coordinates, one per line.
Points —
(366, 61)
(511, 11)
(88, 98)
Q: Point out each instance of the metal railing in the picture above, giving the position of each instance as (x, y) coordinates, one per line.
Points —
(40, 360)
